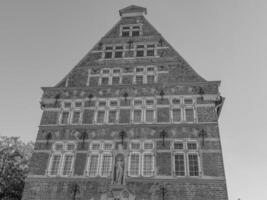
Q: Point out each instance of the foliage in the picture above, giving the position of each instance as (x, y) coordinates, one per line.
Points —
(14, 166)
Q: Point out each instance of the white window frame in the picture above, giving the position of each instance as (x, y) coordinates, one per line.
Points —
(89, 163)
(153, 163)
(140, 165)
(180, 152)
(198, 160)
(63, 164)
(100, 170)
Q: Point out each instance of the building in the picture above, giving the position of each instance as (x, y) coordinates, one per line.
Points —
(132, 120)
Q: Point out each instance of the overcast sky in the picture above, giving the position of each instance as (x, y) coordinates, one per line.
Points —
(40, 42)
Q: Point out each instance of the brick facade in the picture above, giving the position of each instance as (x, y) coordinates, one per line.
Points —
(142, 125)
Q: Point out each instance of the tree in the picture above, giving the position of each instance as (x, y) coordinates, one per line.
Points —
(14, 166)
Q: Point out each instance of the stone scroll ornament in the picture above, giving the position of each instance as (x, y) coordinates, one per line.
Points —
(119, 170)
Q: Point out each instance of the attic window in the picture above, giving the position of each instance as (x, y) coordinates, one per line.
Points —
(131, 31)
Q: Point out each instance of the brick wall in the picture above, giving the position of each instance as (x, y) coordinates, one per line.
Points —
(206, 114)
(38, 164)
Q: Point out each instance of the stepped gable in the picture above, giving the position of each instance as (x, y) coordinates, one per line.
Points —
(179, 70)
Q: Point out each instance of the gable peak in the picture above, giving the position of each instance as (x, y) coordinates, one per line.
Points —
(132, 10)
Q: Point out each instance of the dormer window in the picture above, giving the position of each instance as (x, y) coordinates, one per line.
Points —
(131, 30)
(145, 50)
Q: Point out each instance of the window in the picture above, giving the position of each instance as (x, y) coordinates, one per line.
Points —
(175, 101)
(178, 145)
(193, 165)
(78, 104)
(179, 165)
(65, 118)
(67, 104)
(150, 79)
(188, 101)
(137, 116)
(93, 165)
(95, 146)
(148, 165)
(113, 103)
(136, 30)
(67, 165)
(125, 31)
(106, 165)
(149, 102)
(116, 71)
(101, 103)
(104, 81)
(76, 117)
(105, 71)
(135, 145)
(54, 169)
(118, 51)
(148, 145)
(108, 146)
(131, 31)
(139, 70)
(191, 145)
(100, 116)
(140, 51)
(189, 114)
(134, 168)
(150, 69)
(112, 117)
(139, 80)
(149, 116)
(176, 115)
(138, 102)
(150, 50)
(108, 52)
(62, 158)
(115, 80)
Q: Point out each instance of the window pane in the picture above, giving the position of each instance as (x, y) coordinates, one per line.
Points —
(95, 146)
(76, 117)
(188, 101)
(148, 165)
(105, 71)
(148, 145)
(150, 52)
(137, 116)
(115, 80)
(55, 165)
(189, 114)
(92, 171)
(135, 33)
(150, 102)
(178, 145)
(139, 69)
(149, 115)
(113, 103)
(112, 116)
(104, 81)
(108, 54)
(106, 165)
(67, 165)
(176, 115)
(191, 145)
(65, 118)
(118, 54)
(124, 116)
(175, 101)
(140, 53)
(101, 103)
(70, 147)
(125, 33)
(179, 165)
(109, 48)
(139, 80)
(134, 165)
(89, 103)
(78, 104)
(116, 71)
(163, 115)
(135, 145)
(58, 147)
(150, 69)
(193, 165)
(107, 146)
(100, 116)
(137, 102)
(150, 79)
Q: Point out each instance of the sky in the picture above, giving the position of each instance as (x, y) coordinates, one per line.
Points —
(41, 41)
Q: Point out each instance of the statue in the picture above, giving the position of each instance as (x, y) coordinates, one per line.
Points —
(119, 170)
